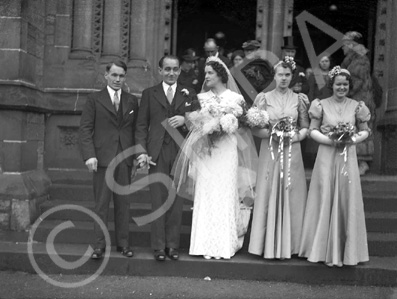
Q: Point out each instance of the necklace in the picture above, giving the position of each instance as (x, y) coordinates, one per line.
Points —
(339, 106)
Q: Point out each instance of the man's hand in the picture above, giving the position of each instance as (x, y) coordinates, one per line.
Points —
(176, 121)
(145, 160)
(92, 164)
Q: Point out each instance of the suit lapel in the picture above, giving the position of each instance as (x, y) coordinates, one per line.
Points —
(158, 94)
(127, 105)
(179, 98)
(104, 98)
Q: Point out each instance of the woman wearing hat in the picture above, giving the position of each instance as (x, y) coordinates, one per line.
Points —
(334, 223)
(357, 63)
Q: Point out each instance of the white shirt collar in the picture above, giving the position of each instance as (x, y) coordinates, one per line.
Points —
(165, 87)
(111, 93)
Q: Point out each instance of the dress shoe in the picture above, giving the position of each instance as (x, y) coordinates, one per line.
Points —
(97, 253)
(126, 251)
(159, 255)
(172, 253)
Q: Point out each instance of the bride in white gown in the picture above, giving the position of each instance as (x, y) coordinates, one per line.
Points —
(222, 174)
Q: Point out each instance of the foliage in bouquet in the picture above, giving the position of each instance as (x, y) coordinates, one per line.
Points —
(256, 117)
(284, 126)
(342, 132)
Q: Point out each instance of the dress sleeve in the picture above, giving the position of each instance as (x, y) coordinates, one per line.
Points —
(316, 115)
(362, 117)
(260, 101)
(303, 115)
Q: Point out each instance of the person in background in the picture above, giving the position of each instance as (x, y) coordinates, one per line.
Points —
(237, 57)
(211, 49)
(357, 63)
(188, 76)
(318, 82)
(299, 82)
(106, 130)
(334, 224)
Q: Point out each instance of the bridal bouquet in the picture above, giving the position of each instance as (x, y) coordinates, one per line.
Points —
(216, 119)
(256, 117)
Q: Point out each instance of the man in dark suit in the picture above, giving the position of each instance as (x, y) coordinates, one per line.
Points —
(107, 129)
(211, 49)
(299, 82)
(161, 115)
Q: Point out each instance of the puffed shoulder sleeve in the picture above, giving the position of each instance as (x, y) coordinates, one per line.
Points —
(315, 114)
(260, 101)
(363, 115)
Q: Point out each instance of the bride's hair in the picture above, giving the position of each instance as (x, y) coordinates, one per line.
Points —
(219, 70)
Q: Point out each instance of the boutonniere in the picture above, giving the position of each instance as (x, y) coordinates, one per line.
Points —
(302, 74)
(185, 92)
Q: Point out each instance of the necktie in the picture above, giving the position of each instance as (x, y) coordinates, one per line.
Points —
(116, 101)
(170, 95)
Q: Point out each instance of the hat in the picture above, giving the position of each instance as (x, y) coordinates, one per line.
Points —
(189, 55)
(251, 45)
(353, 36)
(289, 43)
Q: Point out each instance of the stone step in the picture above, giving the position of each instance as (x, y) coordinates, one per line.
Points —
(379, 271)
(385, 222)
(379, 244)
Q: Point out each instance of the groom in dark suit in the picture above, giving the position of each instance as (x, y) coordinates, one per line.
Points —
(161, 115)
(107, 129)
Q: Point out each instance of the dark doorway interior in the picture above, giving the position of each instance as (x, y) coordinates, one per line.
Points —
(353, 15)
(202, 19)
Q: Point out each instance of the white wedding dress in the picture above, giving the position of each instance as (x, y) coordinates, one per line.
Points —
(216, 199)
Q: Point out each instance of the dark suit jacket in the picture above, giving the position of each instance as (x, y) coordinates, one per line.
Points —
(101, 133)
(153, 111)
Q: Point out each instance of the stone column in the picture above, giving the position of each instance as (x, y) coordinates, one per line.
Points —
(271, 22)
(386, 43)
(82, 28)
(138, 32)
(111, 30)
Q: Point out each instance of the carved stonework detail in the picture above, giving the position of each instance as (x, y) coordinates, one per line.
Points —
(380, 41)
(68, 136)
(97, 27)
(167, 26)
(125, 28)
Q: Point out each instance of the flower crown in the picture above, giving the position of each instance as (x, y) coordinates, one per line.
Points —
(336, 71)
(290, 60)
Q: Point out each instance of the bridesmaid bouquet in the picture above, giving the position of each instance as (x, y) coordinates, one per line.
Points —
(256, 117)
(343, 132)
(285, 127)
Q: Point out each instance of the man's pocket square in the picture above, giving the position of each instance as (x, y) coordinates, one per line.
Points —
(188, 104)
(131, 111)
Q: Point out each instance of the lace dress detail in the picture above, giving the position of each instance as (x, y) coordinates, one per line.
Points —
(216, 198)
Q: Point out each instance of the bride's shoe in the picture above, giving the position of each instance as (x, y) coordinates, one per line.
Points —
(207, 257)
(217, 257)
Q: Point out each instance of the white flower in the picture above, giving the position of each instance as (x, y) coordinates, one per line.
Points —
(211, 126)
(302, 74)
(185, 92)
(229, 123)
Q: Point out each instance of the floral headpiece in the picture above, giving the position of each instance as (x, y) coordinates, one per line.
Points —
(337, 71)
(290, 60)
